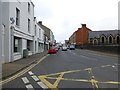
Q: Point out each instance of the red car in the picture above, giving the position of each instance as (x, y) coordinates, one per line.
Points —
(52, 50)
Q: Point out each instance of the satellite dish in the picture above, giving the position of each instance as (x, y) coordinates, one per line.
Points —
(12, 20)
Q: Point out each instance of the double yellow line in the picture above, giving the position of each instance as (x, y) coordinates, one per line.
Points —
(22, 72)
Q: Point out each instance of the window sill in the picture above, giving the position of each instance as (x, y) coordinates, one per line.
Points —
(17, 53)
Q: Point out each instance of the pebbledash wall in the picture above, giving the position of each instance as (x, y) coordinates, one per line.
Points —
(19, 31)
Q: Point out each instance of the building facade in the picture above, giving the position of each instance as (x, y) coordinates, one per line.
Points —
(107, 37)
(38, 38)
(1, 60)
(49, 37)
(72, 39)
(80, 37)
(20, 31)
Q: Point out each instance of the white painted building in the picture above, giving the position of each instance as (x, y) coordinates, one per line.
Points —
(1, 61)
(0, 32)
(38, 37)
(18, 27)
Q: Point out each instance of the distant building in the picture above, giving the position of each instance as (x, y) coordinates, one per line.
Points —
(66, 42)
(107, 37)
(38, 37)
(48, 35)
(80, 37)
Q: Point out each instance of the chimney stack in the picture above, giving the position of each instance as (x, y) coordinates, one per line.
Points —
(83, 25)
(40, 22)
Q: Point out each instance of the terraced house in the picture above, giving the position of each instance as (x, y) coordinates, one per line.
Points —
(20, 31)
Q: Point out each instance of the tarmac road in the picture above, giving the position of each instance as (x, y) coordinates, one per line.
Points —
(71, 69)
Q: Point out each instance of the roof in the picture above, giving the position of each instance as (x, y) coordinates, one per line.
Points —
(97, 34)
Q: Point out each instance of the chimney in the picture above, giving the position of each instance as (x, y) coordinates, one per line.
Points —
(40, 22)
(83, 25)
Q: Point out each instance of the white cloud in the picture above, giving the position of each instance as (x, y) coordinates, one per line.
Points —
(63, 17)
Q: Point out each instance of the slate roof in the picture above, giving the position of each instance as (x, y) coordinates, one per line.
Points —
(97, 34)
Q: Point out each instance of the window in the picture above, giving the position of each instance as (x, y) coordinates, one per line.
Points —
(35, 30)
(29, 25)
(16, 44)
(29, 7)
(103, 40)
(39, 32)
(118, 39)
(28, 45)
(110, 40)
(35, 46)
(17, 17)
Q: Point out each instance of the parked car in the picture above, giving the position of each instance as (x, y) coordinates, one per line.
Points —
(64, 48)
(72, 47)
(52, 50)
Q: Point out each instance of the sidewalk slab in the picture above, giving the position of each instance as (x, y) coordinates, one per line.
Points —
(12, 68)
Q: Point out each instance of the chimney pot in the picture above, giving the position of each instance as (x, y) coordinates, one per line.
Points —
(83, 25)
(40, 22)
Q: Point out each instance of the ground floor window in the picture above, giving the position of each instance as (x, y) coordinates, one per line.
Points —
(118, 39)
(35, 46)
(16, 44)
(29, 45)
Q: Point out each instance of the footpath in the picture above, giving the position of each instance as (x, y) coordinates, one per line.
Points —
(12, 68)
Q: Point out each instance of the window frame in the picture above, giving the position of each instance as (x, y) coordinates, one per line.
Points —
(17, 17)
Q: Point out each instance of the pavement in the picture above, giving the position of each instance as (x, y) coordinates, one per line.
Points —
(10, 69)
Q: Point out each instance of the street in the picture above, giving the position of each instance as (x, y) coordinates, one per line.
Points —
(71, 69)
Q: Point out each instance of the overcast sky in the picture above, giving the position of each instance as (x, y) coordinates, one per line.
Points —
(64, 17)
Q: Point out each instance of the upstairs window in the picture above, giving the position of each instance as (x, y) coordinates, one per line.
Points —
(39, 33)
(29, 25)
(29, 7)
(35, 30)
(17, 17)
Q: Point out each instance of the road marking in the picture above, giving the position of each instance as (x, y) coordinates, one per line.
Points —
(35, 78)
(42, 85)
(29, 86)
(93, 80)
(25, 80)
(30, 73)
(58, 80)
(22, 72)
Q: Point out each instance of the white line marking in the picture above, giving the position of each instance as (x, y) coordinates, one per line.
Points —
(30, 73)
(42, 85)
(29, 86)
(25, 80)
(35, 78)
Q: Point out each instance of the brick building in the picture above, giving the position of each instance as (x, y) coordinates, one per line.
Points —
(80, 37)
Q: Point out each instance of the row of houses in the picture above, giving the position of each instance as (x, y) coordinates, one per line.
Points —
(85, 36)
(21, 31)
